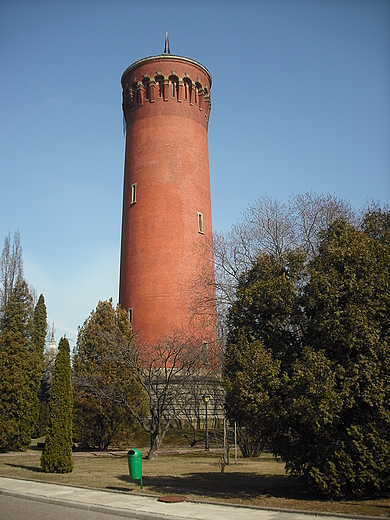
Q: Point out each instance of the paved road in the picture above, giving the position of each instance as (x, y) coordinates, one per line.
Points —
(13, 508)
(24, 499)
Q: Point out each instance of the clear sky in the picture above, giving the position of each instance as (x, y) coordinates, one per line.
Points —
(300, 102)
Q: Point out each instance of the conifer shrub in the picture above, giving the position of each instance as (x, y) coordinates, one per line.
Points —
(57, 454)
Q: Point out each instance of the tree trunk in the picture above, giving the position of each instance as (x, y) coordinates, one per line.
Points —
(155, 443)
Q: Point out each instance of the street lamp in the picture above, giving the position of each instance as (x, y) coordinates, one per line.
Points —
(206, 399)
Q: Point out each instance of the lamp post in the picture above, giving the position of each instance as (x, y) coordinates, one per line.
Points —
(206, 399)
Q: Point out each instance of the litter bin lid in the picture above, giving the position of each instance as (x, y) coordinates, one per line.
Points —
(133, 452)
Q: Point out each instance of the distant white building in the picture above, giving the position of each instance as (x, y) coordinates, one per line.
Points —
(51, 352)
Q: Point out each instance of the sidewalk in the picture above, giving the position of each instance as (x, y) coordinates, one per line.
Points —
(140, 506)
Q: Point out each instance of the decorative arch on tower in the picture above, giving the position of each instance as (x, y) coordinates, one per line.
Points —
(187, 84)
(199, 95)
(174, 86)
(135, 97)
(146, 85)
(159, 79)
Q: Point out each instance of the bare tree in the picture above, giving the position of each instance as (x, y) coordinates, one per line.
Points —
(265, 227)
(370, 208)
(11, 267)
(165, 373)
(311, 214)
(271, 227)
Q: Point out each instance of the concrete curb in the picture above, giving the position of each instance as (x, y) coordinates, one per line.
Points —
(115, 511)
(131, 513)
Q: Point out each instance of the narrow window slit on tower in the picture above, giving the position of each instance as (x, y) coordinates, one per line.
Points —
(131, 315)
(187, 90)
(200, 223)
(133, 193)
(160, 83)
(205, 352)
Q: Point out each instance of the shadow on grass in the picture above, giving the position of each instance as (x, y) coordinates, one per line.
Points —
(34, 469)
(227, 485)
(117, 488)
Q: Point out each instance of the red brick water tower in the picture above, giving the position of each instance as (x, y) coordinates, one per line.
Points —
(167, 269)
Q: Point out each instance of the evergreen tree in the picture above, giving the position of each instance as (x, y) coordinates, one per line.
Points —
(37, 357)
(265, 336)
(140, 383)
(17, 370)
(376, 224)
(44, 389)
(328, 417)
(348, 310)
(57, 454)
(95, 364)
(251, 380)
(267, 306)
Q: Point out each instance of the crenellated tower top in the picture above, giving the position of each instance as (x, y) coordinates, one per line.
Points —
(166, 84)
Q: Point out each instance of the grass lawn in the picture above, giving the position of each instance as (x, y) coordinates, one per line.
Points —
(193, 473)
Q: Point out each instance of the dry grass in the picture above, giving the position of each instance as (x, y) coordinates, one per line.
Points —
(196, 474)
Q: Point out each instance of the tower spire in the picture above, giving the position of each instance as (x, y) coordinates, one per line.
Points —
(167, 50)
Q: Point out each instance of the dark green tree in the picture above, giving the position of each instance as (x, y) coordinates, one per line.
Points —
(376, 224)
(44, 389)
(151, 384)
(97, 417)
(251, 381)
(267, 306)
(339, 411)
(265, 336)
(57, 454)
(305, 434)
(18, 368)
(37, 347)
(329, 327)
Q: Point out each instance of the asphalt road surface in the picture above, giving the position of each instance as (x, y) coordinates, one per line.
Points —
(12, 508)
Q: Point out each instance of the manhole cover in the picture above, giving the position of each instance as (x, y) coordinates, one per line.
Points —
(171, 499)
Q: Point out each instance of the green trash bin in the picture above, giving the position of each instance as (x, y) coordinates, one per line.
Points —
(134, 458)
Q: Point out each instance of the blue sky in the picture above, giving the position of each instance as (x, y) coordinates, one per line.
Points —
(300, 102)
